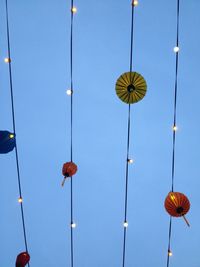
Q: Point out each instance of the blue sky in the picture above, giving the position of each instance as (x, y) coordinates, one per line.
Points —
(39, 32)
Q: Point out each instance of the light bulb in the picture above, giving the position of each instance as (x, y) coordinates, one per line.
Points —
(69, 92)
(169, 253)
(176, 49)
(20, 200)
(7, 60)
(130, 161)
(175, 128)
(135, 2)
(74, 9)
(125, 224)
(73, 225)
(11, 136)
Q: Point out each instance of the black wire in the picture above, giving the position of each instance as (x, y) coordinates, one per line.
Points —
(174, 125)
(71, 120)
(71, 76)
(71, 239)
(14, 127)
(175, 96)
(169, 240)
(126, 187)
(128, 146)
(131, 50)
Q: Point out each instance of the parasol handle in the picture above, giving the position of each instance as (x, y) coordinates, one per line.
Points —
(63, 181)
(186, 221)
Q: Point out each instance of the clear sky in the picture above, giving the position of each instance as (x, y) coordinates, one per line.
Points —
(39, 33)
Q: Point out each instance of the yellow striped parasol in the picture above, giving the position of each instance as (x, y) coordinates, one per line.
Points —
(131, 87)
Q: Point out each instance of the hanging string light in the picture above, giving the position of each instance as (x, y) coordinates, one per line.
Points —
(130, 88)
(70, 168)
(176, 204)
(13, 135)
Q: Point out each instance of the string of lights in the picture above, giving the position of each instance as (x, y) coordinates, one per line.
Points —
(128, 147)
(176, 50)
(130, 87)
(8, 60)
(71, 77)
(71, 168)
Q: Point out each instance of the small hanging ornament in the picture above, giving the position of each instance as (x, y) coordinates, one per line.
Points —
(177, 205)
(68, 170)
(131, 87)
(22, 259)
(7, 142)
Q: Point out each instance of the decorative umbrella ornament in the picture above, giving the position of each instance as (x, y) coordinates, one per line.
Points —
(68, 170)
(22, 259)
(131, 87)
(7, 142)
(177, 205)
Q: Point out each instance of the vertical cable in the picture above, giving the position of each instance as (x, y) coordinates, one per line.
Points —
(169, 240)
(131, 48)
(14, 126)
(71, 76)
(128, 146)
(71, 131)
(174, 127)
(175, 95)
(13, 119)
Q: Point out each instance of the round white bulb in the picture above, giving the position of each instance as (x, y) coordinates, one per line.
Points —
(170, 253)
(73, 225)
(176, 49)
(130, 161)
(135, 3)
(125, 224)
(20, 200)
(7, 60)
(74, 9)
(69, 92)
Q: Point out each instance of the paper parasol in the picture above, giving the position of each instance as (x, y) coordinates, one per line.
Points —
(131, 87)
(177, 205)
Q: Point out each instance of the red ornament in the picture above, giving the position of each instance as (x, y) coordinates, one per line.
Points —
(177, 205)
(68, 170)
(22, 259)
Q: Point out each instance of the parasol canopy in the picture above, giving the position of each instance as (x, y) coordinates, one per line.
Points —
(68, 170)
(7, 142)
(177, 205)
(22, 259)
(131, 87)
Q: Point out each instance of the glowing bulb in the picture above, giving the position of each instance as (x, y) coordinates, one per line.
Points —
(74, 9)
(73, 225)
(11, 136)
(169, 253)
(7, 60)
(69, 92)
(125, 224)
(20, 200)
(176, 49)
(175, 128)
(130, 161)
(135, 2)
